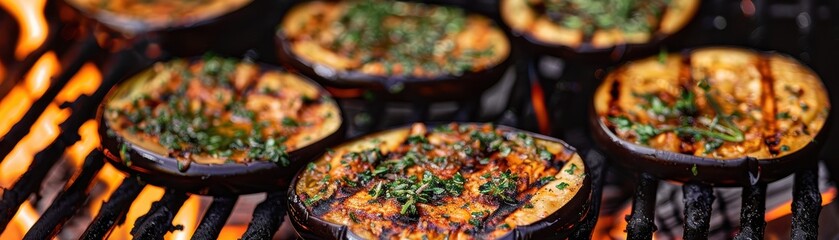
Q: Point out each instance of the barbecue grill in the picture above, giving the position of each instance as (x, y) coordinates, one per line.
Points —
(47, 125)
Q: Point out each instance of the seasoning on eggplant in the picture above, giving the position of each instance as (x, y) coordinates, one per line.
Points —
(161, 12)
(218, 110)
(604, 23)
(385, 38)
(716, 102)
(468, 180)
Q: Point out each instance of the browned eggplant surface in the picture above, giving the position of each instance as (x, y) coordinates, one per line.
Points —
(455, 181)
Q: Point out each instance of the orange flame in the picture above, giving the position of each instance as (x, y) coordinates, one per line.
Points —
(43, 132)
(23, 220)
(45, 129)
(786, 208)
(538, 100)
(232, 231)
(21, 97)
(90, 140)
(86, 81)
(140, 207)
(111, 177)
(614, 226)
(188, 217)
(33, 24)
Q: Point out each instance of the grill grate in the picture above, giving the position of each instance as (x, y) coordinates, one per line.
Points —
(268, 215)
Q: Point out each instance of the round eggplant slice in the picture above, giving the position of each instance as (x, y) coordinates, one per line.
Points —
(183, 28)
(596, 30)
(716, 115)
(402, 50)
(216, 125)
(458, 181)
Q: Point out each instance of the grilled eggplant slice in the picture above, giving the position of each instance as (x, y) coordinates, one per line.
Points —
(586, 27)
(150, 14)
(211, 121)
(455, 181)
(406, 48)
(734, 112)
(182, 28)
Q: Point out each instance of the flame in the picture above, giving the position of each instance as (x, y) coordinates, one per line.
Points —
(33, 25)
(111, 177)
(90, 140)
(138, 208)
(614, 226)
(2, 71)
(86, 81)
(188, 217)
(43, 132)
(786, 208)
(21, 97)
(232, 231)
(23, 220)
(538, 100)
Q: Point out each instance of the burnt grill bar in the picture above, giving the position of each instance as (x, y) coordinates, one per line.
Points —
(114, 209)
(698, 200)
(215, 217)
(29, 181)
(752, 221)
(23, 67)
(74, 61)
(267, 217)
(806, 205)
(641, 224)
(752, 214)
(68, 202)
(468, 110)
(158, 221)
(83, 109)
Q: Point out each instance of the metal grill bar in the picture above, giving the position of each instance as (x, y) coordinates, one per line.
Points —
(806, 205)
(158, 221)
(267, 217)
(752, 221)
(421, 111)
(214, 218)
(114, 209)
(698, 200)
(29, 181)
(85, 50)
(641, 223)
(468, 110)
(26, 64)
(595, 161)
(67, 202)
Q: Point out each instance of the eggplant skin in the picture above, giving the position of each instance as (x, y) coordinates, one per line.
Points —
(158, 14)
(272, 97)
(524, 19)
(309, 32)
(778, 104)
(330, 199)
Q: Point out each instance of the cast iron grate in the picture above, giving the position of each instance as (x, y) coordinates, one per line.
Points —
(117, 63)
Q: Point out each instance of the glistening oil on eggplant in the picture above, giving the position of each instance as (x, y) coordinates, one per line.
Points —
(558, 224)
(211, 179)
(735, 170)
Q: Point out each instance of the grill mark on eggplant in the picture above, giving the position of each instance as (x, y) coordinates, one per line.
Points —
(688, 143)
(614, 93)
(771, 136)
(496, 210)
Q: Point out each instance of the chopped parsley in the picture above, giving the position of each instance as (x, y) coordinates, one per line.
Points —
(502, 187)
(562, 185)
